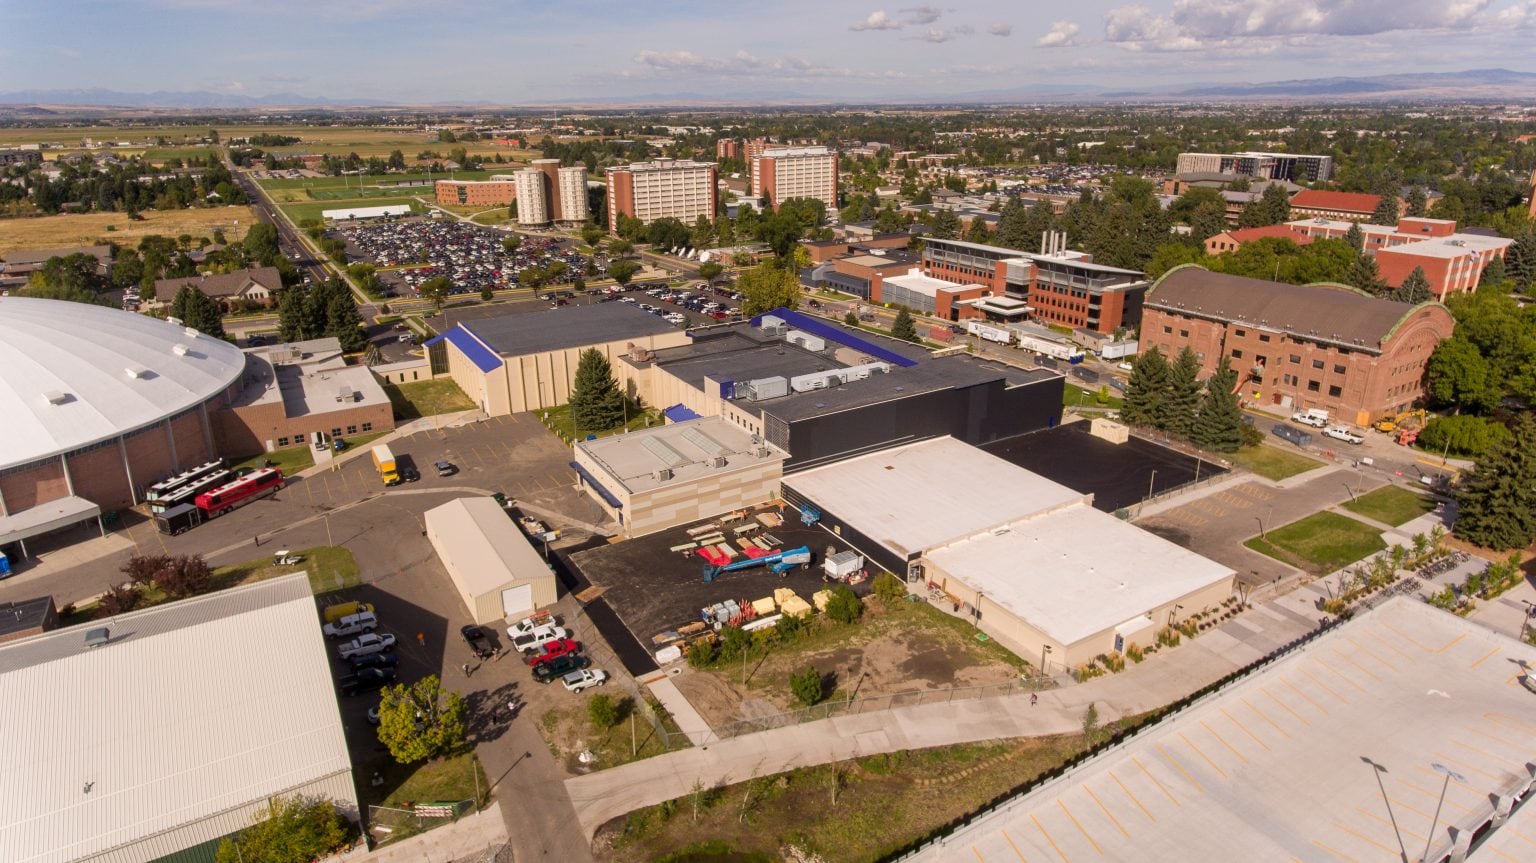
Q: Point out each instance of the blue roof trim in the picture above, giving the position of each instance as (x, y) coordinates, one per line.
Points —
(602, 492)
(679, 413)
(484, 359)
(818, 327)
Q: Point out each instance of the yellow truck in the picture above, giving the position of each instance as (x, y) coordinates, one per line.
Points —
(333, 613)
(384, 460)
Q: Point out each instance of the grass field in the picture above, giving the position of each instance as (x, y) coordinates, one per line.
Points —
(558, 420)
(320, 184)
(419, 399)
(86, 229)
(1391, 505)
(339, 140)
(1272, 463)
(1320, 543)
(1075, 396)
(440, 780)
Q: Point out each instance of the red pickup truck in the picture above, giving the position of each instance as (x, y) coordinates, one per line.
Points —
(553, 649)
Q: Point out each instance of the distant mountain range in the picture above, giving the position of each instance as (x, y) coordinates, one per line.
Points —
(1472, 84)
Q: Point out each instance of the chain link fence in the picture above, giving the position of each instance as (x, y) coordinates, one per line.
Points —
(391, 824)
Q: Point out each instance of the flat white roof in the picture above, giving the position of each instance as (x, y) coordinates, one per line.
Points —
(1278, 766)
(191, 709)
(1074, 572)
(1454, 246)
(368, 212)
(918, 283)
(482, 547)
(688, 449)
(52, 515)
(927, 494)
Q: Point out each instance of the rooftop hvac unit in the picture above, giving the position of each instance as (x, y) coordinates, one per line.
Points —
(56, 397)
(761, 452)
(718, 461)
(174, 320)
(663, 474)
(805, 340)
(190, 333)
(180, 350)
(346, 394)
(766, 388)
(136, 372)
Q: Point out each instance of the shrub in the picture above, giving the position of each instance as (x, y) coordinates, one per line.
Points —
(702, 654)
(603, 711)
(844, 606)
(888, 587)
(1135, 653)
(806, 685)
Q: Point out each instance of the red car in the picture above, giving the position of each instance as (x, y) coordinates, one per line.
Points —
(552, 649)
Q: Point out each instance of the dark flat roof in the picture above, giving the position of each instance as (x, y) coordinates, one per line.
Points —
(941, 374)
(566, 327)
(24, 615)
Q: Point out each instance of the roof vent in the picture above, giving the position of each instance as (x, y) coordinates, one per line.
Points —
(56, 397)
(180, 350)
(136, 372)
(98, 636)
(190, 333)
(663, 474)
(719, 461)
(174, 320)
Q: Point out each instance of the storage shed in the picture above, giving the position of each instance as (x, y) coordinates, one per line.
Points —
(498, 572)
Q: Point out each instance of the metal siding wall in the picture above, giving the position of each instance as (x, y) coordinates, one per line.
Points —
(870, 548)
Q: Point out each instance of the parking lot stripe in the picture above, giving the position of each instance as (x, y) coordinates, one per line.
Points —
(1387, 823)
(1078, 825)
(1223, 741)
(1496, 738)
(1254, 737)
(1308, 698)
(1284, 706)
(1357, 666)
(1128, 793)
(1435, 795)
(1179, 767)
(1345, 677)
(1041, 828)
(1487, 656)
(1509, 722)
(1324, 686)
(1496, 757)
(1201, 753)
(1264, 716)
(1107, 813)
(1015, 847)
(1459, 763)
(977, 852)
(1365, 838)
(1159, 785)
(1339, 854)
(1447, 646)
(1363, 649)
(1404, 636)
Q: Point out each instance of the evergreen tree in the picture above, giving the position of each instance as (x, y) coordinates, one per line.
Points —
(1254, 215)
(1277, 204)
(1355, 237)
(198, 311)
(978, 232)
(903, 327)
(1414, 289)
(293, 314)
(945, 225)
(1146, 390)
(1520, 262)
(1493, 275)
(1386, 211)
(1418, 202)
(1497, 500)
(344, 323)
(1219, 425)
(1010, 224)
(1365, 275)
(1182, 403)
(1208, 219)
(596, 403)
(850, 318)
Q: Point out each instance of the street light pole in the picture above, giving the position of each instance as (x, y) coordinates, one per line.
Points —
(1377, 770)
(1435, 822)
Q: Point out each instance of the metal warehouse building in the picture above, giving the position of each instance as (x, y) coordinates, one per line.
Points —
(167, 736)
(1030, 560)
(497, 571)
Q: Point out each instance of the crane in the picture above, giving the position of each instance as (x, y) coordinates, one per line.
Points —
(779, 562)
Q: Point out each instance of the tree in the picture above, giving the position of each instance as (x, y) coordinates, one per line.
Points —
(1414, 289)
(1386, 210)
(1277, 204)
(844, 606)
(343, 323)
(1208, 219)
(807, 686)
(977, 231)
(1366, 276)
(629, 227)
(1493, 275)
(667, 233)
(1355, 237)
(1497, 499)
(1463, 435)
(1146, 390)
(703, 233)
(511, 243)
(261, 244)
(596, 403)
(592, 235)
(1253, 215)
(850, 318)
(944, 225)
(766, 287)
(197, 310)
(603, 711)
(1182, 402)
(1219, 424)
(781, 231)
(293, 315)
(709, 270)
(1170, 255)
(420, 721)
(1091, 730)
(435, 290)
(903, 327)
(1418, 201)
(623, 271)
(291, 830)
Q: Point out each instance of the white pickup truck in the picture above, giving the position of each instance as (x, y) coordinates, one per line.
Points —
(1344, 434)
(1314, 417)
(366, 644)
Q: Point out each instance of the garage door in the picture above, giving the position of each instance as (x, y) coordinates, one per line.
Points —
(517, 600)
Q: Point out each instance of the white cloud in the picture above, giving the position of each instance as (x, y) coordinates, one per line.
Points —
(920, 15)
(745, 64)
(1520, 15)
(1194, 24)
(1001, 28)
(1063, 34)
(877, 21)
(939, 35)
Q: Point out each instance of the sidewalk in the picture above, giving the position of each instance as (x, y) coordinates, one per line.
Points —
(688, 720)
(1160, 680)
(468, 837)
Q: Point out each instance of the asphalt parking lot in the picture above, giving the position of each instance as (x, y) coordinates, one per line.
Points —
(652, 589)
(470, 255)
(1117, 475)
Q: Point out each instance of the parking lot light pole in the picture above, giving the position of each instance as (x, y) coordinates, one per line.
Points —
(1377, 770)
(1435, 822)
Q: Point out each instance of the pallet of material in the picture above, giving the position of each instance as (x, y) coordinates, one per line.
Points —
(766, 605)
(746, 528)
(702, 529)
(662, 639)
(750, 549)
(711, 539)
(725, 550)
(713, 555)
(782, 595)
(770, 519)
(762, 544)
(795, 607)
(820, 598)
(687, 546)
(773, 541)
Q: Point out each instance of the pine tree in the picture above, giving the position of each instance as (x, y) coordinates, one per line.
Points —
(596, 403)
(1277, 204)
(293, 314)
(1145, 391)
(1414, 289)
(1497, 500)
(1177, 413)
(1386, 211)
(1365, 275)
(344, 324)
(903, 327)
(1355, 237)
(1520, 262)
(1493, 275)
(1418, 201)
(1219, 425)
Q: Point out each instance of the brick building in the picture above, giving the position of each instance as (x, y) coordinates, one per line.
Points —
(1231, 241)
(1453, 261)
(1297, 347)
(495, 192)
(1349, 206)
(727, 148)
(680, 188)
(293, 390)
(782, 173)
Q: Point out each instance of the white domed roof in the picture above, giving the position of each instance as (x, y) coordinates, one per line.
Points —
(73, 374)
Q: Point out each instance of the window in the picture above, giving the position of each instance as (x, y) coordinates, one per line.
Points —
(1335, 391)
(351, 429)
(1317, 364)
(1183, 334)
(282, 441)
(1313, 386)
(1239, 333)
(1295, 359)
(1263, 337)
(367, 427)
(1237, 355)
(336, 432)
(1168, 331)
(1338, 369)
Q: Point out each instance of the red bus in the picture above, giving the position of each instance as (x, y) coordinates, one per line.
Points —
(252, 486)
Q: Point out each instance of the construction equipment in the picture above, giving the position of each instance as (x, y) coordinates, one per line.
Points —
(779, 562)
(809, 515)
(1392, 424)
(1407, 436)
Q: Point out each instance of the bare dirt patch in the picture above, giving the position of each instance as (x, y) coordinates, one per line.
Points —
(88, 229)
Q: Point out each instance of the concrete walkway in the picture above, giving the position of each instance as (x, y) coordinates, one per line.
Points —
(1161, 679)
(471, 837)
(688, 720)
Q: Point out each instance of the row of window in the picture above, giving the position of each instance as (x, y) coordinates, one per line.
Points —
(300, 437)
(1334, 391)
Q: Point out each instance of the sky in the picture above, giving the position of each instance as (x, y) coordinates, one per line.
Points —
(518, 52)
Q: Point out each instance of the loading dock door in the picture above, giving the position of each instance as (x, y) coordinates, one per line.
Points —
(517, 600)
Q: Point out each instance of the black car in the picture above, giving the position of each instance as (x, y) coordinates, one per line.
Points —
(560, 666)
(374, 660)
(367, 680)
(479, 643)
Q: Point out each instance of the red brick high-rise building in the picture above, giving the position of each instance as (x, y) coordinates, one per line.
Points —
(680, 188)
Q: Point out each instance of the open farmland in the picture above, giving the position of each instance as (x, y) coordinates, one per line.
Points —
(338, 140)
(86, 229)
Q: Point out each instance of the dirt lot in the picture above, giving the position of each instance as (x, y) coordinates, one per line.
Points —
(88, 229)
(904, 648)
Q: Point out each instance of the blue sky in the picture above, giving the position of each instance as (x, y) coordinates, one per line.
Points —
(512, 51)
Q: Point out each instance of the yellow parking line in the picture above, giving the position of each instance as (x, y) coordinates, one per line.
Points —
(1128, 793)
(1346, 677)
(1159, 785)
(1447, 646)
(1487, 656)
(1305, 696)
(1500, 719)
(1265, 717)
(1408, 638)
(1386, 823)
(1283, 705)
(978, 854)
(1340, 854)
(1435, 794)
(1262, 744)
(1323, 686)
(1079, 826)
(1179, 767)
(1495, 738)
(1223, 741)
(1365, 650)
(1507, 828)
(1502, 854)
(1191, 743)
(1387, 642)
(1015, 848)
(1041, 828)
(1499, 758)
(1365, 838)
(1494, 776)
(1107, 813)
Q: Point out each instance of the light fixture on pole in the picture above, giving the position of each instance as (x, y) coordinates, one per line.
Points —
(1377, 770)
(1435, 822)
(1044, 649)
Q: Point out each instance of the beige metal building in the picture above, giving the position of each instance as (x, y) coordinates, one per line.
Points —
(678, 473)
(498, 572)
(524, 362)
(167, 736)
(1029, 560)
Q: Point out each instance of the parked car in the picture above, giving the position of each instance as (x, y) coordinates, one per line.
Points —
(559, 667)
(354, 624)
(366, 644)
(366, 680)
(540, 636)
(1292, 434)
(1343, 434)
(1314, 417)
(553, 650)
(479, 643)
(527, 625)
(375, 660)
(576, 681)
(445, 468)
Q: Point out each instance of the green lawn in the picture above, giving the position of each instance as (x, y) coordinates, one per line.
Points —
(451, 779)
(1075, 396)
(1391, 505)
(1272, 463)
(290, 460)
(1320, 543)
(419, 399)
(558, 420)
(366, 180)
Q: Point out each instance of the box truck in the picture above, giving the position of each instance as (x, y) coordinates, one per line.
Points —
(1057, 350)
(384, 460)
(988, 332)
